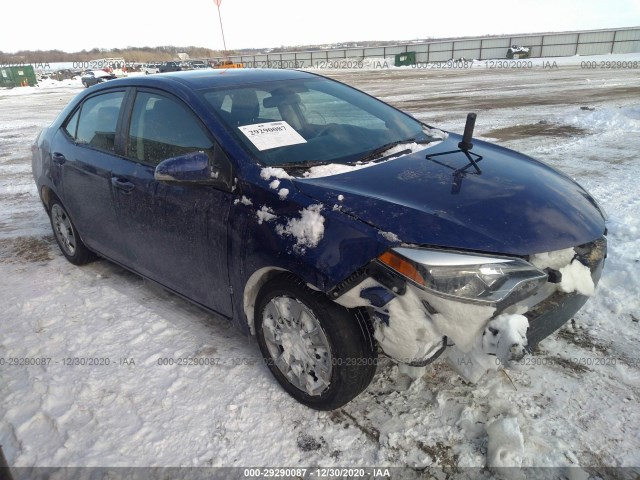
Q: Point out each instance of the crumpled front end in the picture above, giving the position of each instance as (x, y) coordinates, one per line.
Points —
(481, 311)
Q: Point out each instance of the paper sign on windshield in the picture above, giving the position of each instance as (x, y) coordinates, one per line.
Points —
(271, 135)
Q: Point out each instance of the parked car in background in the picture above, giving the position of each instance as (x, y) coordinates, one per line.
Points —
(198, 64)
(92, 77)
(323, 221)
(517, 52)
(150, 68)
(169, 67)
(116, 66)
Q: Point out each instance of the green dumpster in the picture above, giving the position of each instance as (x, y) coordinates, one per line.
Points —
(407, 58)
(18, 76)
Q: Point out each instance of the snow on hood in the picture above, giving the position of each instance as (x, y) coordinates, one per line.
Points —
(274, 172)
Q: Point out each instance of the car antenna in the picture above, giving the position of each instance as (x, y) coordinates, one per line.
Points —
(465, 145)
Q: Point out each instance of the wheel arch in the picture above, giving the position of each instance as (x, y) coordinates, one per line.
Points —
(252, 288)
(47, 195)
(255, 283)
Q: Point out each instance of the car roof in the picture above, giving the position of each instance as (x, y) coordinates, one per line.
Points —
(212, 78)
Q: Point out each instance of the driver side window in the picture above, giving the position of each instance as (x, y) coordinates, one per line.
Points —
(162, 127)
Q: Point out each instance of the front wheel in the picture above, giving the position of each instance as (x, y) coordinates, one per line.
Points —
(67, 236)
(321, 353)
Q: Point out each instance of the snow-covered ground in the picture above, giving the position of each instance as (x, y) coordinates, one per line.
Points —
(573, 404)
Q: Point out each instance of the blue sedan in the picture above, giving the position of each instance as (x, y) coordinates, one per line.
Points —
(330, 225)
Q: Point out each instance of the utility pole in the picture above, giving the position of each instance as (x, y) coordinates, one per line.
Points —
(224, 43)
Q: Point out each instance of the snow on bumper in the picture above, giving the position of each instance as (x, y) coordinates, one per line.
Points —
(413, 326)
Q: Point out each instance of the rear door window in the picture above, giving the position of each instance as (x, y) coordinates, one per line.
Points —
(94, 125)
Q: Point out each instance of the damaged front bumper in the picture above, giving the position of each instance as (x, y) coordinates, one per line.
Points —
(550, 314)
(415, 325)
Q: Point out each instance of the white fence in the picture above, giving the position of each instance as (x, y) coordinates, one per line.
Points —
(588, 42)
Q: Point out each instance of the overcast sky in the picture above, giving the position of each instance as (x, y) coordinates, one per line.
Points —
(73, 25)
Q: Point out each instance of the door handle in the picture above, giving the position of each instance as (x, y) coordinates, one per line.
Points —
(122, 184)
(58, 158)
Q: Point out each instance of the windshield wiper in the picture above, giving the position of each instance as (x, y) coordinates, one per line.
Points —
(369, 156)
(301, 165)
(374, 154)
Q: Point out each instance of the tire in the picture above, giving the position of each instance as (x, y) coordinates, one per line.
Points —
(343, 345)
(67, 236)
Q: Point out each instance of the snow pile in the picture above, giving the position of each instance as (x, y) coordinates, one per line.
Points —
(273, 172)
(413, 372)
(282, 193)
(75, 82)
(410, 335)
(435, 133)
(555, 260)
(614, 119)
(506, 337)
(265, 214)
(274, 184)
(413, 147)
(413, 335)
(576, 277)
(506, 443)
(308, 229)
(502, 341)
(44, 84)
(244, 200)
(333, 169)
(461, 322)
(392, 237)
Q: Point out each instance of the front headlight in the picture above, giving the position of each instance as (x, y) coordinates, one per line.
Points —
(467, 277)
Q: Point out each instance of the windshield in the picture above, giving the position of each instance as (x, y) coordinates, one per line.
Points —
(314, 121)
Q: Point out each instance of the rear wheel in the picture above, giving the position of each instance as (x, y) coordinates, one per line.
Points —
(67, 236)
(321, 354)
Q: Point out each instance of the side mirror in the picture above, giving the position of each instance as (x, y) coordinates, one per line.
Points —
(196, 168)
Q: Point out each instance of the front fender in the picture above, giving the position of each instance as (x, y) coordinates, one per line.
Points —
(317, 242)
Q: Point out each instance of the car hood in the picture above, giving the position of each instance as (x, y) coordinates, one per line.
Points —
(514, 205)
